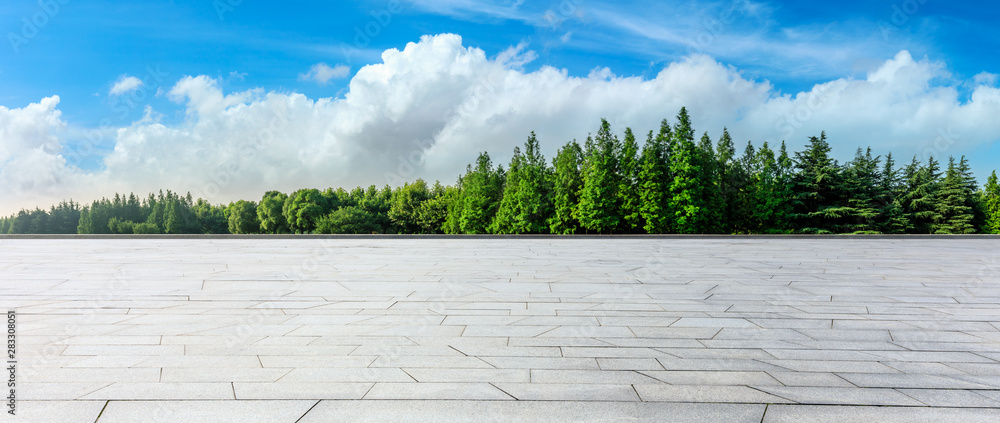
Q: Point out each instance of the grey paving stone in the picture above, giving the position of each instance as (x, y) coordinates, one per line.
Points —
(706, 393)
(435, 391)
(848, 396)
(522, 411)
(204, 411)
(848, 414)
(56, 411)
(569, 392)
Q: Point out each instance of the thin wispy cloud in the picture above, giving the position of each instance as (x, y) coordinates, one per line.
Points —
(322, 74)
(125, 84)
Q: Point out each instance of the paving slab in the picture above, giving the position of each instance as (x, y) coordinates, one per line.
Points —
(523, 411)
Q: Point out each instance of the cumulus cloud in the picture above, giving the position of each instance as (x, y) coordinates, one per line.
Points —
(125, 84)
(428, 109)
(322, 73)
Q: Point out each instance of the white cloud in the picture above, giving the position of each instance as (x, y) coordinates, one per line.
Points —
(125, 84)
(322, 73)
(426, 111)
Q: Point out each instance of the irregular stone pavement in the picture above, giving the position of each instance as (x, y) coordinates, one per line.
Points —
(484, 329)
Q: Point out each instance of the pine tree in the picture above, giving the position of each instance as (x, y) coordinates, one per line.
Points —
(713, 208)
(729, 185)
(505, 220)
(817, 203)
(686, 193)
(599, 209)
(535, 192)
(628, 194)
(955, 216)
(991, 201)
(861, 184)
(654, 182)
(892, 219)
(566, 182)
(481, 194)
(920, 199)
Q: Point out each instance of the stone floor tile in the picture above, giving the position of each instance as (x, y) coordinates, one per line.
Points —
(848, 414)
(268, 411)
(522, 411)
(435, 391)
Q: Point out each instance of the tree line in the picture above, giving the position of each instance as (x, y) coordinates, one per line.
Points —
(672, 184)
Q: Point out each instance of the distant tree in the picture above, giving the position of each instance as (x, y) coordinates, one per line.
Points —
(526, 205)
(713, 209)
(347, 220)
(302, 210)
(406, 202)
(211, 218)
(731, 181)
(628, 184)
(433, 213)
(955, 216)
(599, 209)
(862, 193)
(920, 198)
(686, 188)
(269, 213)
(817, 203)
(243, 218)
(991, 201)
(482, 188)
(566, 183)
(654, 182)
(892, 219)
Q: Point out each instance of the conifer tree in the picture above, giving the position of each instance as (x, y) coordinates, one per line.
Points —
(505, 220)
(599, 209)
(920, 199)
(686, 193)
(991, 202)
(711, 201)
(481, 195)
(955, 216)
(861, 211)
(817, 203)
(566, 184)
(628, 194)
(728, 170)
(892, 219)
(654, 182)
(534, 194)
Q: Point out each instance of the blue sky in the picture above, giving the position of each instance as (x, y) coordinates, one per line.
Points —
(79, 50)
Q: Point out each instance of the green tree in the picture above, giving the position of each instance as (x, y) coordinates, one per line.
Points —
(406, 202)
(920, 198)
(243, 218)
(527, 200)
(991, 200)
(269, 213)
(566, 183)
(817, 202)
(434, 212)
(863, 195)
(731, 181)
(686, 188)
(599, 209)
(955, 216)
(713, 209)
(211, 219)
(482, 188)
(628, 183)
(347, 220)
(303, 208)
(892, 219)
(654, 182)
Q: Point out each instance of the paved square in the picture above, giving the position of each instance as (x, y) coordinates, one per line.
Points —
(481, 329)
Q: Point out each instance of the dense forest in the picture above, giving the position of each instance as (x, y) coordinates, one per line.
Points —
(671, 184)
